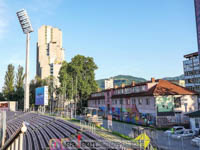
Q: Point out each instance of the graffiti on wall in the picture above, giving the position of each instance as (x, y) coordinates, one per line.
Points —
(132, 115)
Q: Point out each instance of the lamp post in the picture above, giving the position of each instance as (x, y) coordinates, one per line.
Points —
(27, 28)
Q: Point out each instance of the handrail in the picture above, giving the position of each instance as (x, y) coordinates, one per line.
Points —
(18, 133)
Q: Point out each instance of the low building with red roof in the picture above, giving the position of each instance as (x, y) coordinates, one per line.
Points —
(155, 102)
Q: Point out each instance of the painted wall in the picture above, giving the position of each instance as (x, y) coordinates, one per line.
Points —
(141, 113)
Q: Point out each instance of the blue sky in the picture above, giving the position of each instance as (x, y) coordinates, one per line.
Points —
(132, 37)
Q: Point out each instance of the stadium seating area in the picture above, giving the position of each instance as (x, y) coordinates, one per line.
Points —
(41, 128)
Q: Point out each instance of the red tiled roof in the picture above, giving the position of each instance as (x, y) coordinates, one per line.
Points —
(165, 87)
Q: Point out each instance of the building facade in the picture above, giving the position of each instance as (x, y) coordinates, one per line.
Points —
(50, 53)
(179, 82)
(192, 71)
(109, 83)
(156, 102)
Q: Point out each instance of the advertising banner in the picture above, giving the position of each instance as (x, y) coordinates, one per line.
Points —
(41, 96)
(4, 106)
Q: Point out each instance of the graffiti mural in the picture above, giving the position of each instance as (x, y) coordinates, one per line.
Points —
(132, 115)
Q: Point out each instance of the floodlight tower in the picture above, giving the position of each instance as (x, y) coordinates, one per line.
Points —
(27, 28)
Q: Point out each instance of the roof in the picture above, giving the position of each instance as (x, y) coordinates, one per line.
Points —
(162, 88)
(165, 87)
(194, 114)
(191, 55)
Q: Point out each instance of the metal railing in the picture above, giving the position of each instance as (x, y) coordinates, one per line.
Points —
(88, 126)
(16, 141)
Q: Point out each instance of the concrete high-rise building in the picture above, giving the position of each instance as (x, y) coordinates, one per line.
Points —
(50, 53)
(192, 71)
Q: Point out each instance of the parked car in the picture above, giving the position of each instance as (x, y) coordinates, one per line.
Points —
(187, 133)
(174, 130)
(196, 141)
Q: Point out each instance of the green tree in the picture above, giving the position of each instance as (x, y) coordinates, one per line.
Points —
(2, 98)
(19, 90)
(19, 78)
(79, 78)
(8, 88)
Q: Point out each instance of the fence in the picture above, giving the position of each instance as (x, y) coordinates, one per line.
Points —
(88, 126)
(16, 141)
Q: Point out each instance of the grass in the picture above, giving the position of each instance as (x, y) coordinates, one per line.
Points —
(72, 120)
(122, 136)
(102, 128)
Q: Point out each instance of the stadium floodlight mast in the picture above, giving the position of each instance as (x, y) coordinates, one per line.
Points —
(27, 28)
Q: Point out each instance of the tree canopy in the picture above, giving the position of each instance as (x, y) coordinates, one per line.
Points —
(8, 88)
(78, 78)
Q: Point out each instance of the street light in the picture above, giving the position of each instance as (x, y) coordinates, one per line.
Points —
(27, 28)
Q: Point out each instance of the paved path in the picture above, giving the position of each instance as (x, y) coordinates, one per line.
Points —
(158, 137)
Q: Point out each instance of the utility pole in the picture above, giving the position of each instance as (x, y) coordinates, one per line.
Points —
(72, 95)
(76, 97)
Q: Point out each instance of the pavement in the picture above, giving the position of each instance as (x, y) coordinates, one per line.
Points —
(158, 137)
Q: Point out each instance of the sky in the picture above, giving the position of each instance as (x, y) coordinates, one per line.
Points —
(142, 38)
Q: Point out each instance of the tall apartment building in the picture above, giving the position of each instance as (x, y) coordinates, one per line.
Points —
(192, 71)
(50, 53)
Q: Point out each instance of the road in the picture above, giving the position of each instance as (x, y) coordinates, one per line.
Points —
(158, 137)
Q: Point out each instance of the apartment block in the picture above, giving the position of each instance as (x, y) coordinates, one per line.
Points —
(50, 53)
(192, 71)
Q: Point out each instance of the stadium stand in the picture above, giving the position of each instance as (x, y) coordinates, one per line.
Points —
(41, 129)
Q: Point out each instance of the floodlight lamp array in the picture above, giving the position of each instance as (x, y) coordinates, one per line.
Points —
(24, 21)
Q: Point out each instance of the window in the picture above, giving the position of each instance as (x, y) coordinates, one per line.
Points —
(140, 101)
(113, 102)
(116, 102)
(147, 101)
(133, 101)
(98, 101)
(51, 69)
(121, 101)
(197, 122)
(103, 101)
(127, 101)
(48, 49)
(177, 102)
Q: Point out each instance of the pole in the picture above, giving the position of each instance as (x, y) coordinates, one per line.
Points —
(182, 143)
(76, 98)
(72, 96)
(26, 91)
